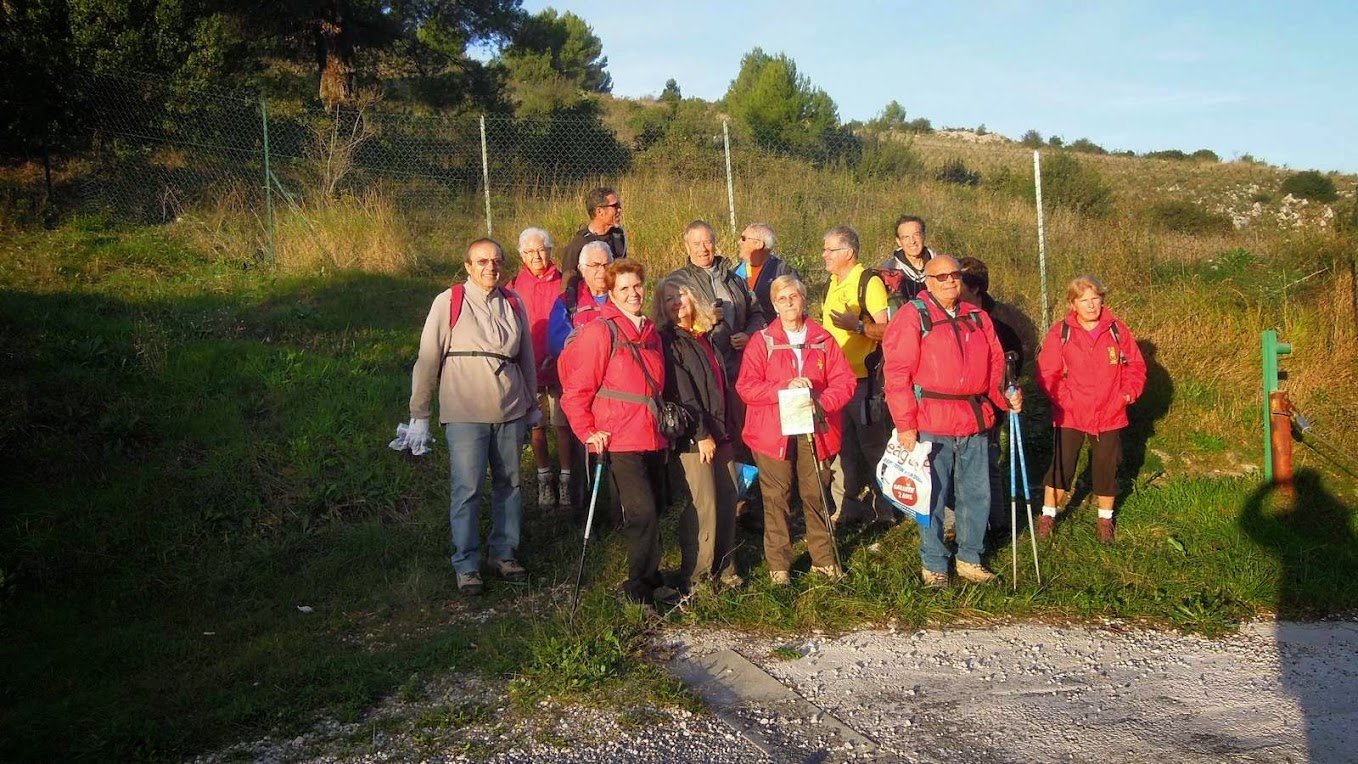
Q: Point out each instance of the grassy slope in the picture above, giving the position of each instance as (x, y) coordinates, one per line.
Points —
(194, 449)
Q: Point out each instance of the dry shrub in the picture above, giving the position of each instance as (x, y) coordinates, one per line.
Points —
(363, 233)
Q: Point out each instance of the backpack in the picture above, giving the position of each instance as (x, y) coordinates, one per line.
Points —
(459, 293)
(891, 279)
(926, 323)
(673, 420)
(1117, 340)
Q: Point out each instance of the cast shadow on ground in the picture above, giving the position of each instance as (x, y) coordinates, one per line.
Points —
(1317, 548)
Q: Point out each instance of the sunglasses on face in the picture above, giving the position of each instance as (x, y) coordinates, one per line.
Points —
(946, 277)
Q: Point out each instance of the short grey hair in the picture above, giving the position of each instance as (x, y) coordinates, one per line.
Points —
(703, 224)
(764, 233)
(534, 232)
(591, 247)
(847, 237)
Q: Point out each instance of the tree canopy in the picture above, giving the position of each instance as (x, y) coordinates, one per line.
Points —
(780, 108)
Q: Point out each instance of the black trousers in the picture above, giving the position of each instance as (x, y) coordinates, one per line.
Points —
(638, 478)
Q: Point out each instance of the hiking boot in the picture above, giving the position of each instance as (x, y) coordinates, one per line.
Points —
(470, 584)
(732, 581)
(780, 577)
(546, 491)
(1045, 524)
(977, 574)
(832, 572)
(563, 489)
(1105, 529)
(509, 570)
(933, 579)
(664, 596)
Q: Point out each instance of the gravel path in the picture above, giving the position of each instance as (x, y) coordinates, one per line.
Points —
(1016, 693)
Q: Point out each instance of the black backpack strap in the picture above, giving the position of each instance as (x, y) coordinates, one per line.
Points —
(975, 399)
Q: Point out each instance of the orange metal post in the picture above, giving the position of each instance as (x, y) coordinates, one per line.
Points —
(1280, 412)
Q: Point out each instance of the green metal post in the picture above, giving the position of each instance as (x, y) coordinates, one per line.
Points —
(1272, 348)
(268, 181)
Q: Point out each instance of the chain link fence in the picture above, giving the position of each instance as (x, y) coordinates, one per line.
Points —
(159, 152)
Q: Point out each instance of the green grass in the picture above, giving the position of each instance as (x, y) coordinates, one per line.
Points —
(194, 448)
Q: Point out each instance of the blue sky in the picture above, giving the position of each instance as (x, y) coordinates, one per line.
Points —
(1274, 80)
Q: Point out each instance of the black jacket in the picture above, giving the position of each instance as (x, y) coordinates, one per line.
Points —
(692, 382)
(742, 314)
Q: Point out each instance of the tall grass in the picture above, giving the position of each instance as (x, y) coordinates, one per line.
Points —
(195, 447)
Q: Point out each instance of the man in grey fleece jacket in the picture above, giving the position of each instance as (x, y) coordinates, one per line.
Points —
(484, 371)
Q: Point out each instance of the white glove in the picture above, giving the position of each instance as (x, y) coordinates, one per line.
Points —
(414, 436)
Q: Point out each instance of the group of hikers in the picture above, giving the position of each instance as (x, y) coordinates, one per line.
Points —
(697, 389)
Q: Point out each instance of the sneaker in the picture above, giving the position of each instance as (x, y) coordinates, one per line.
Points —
(832, 572)
(1045, 524)
(546, 491)
(933, 579)
(1105, 529)
(470, 584)
(509, 570)
(780, 577)
(732, 581)
(977, 574)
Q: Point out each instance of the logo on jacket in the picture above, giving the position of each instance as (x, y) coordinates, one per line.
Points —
(1113, 355)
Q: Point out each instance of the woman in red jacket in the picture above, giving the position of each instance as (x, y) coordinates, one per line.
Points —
(1092, 370)
(793, 352)
(609, 371)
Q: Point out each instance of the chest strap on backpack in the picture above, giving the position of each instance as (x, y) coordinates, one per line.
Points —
(975, 399)
(651, 402)
(503, 359)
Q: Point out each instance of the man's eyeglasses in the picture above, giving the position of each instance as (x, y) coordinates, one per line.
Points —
(614, 205)
(837, 249)
(945, 277)
(594, 265)
(751, 238)
(485, 264)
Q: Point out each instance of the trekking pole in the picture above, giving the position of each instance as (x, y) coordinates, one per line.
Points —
(1027, 497)
(589, 524)
(824, 502)
(1013, 498)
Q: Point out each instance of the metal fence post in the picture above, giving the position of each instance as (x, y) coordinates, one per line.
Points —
(1041, 234)
(268, 183)
(730, 186)
(485, 174)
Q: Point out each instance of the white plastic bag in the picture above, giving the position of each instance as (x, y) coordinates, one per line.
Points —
(906, 479)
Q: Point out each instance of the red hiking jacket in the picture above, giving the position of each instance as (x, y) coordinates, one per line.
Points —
(538, 294)
(764, 373)
(959, 357)
(1088, 375)
(586, 367)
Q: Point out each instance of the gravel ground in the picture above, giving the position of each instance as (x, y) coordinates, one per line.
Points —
(1016, 693)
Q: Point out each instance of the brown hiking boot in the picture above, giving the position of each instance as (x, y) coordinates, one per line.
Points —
(933, 579)
(977, 574)
(1045, 523)
(1105, 529)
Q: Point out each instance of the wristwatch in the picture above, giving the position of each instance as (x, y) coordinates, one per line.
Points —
(860, 326)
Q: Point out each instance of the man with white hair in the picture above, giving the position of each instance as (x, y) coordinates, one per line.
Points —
(759, 266)
(577, 306)
(538, 285)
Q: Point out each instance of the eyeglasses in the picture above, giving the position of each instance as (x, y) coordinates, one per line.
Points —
(946, 277)
(615, 205)
(594, 265)
(751, 238)
(484, 264)
(542, 251)
(836, 249)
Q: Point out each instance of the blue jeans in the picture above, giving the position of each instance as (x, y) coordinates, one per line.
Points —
(961, 469)
(471, 445)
